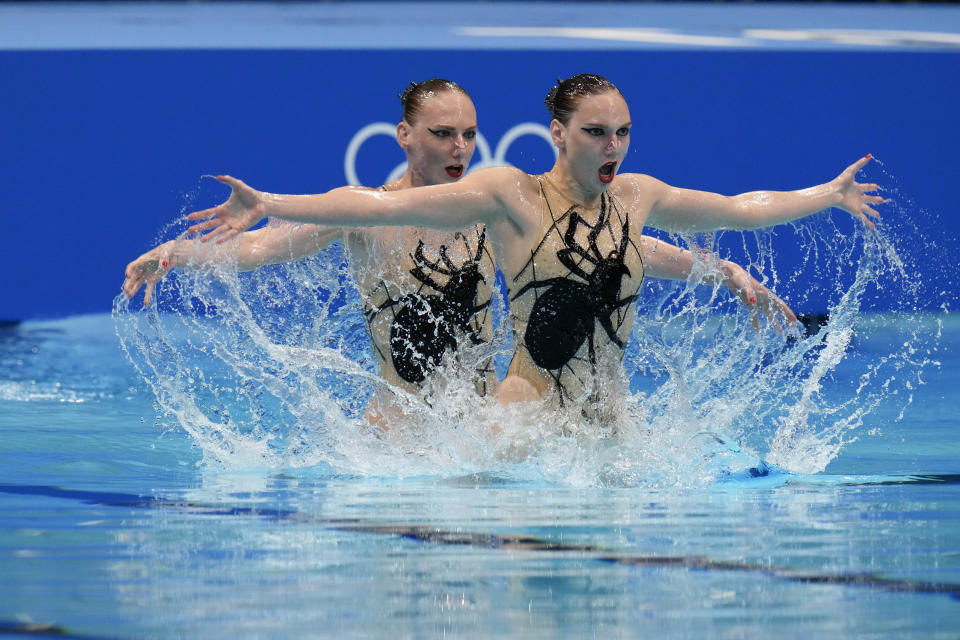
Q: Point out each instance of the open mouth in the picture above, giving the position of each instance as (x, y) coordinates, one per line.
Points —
(454, 170)
(606, 172)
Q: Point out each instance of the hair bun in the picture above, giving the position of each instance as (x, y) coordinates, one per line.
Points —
(403, 95)
(551, 99)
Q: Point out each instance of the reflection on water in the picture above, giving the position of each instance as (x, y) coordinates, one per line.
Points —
(273, 369)
(251, 554)
(112, 531)
(424, 558)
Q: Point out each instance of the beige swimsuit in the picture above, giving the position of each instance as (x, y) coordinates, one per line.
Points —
(433, 293)
(568, 301)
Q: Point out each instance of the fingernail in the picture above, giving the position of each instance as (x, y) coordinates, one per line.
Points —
(752, 299)
(869, 155)
(164, 264)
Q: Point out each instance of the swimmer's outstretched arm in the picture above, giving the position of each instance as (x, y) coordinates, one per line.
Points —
(665, 261)
(474, 199)
(684, 210)
(270, 245)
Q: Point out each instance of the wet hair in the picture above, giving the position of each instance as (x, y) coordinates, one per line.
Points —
(416, 94)
(565, 96)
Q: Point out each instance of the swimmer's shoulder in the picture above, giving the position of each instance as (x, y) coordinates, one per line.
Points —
(637, 188)
(506, 182)
(516, 192)
(497, 175)
(636, 182)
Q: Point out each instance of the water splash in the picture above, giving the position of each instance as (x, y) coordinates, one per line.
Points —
(273, 368)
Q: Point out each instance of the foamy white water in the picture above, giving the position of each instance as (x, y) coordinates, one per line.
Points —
(273, 369)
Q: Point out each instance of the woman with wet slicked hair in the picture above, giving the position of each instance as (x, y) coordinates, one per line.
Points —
(568, 241)
(562, 99)
(400, 272)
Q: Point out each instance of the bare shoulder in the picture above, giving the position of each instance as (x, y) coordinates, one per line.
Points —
(519, 195)
(511, 189)
(637, 187)
(502, 179)
(637, 190)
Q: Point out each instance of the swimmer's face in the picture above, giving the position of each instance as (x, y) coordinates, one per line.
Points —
(596, 139)
(441, 143)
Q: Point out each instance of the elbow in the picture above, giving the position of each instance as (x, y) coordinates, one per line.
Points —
(739, 215)
(751, 211)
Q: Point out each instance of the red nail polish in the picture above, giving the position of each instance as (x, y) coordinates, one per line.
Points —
(164, 263)
(869, 155)
(752, 300)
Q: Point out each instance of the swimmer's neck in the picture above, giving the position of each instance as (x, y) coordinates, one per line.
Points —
(408, 180)
(571, 188)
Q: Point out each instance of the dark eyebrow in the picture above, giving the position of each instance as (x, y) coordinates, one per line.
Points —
(591, 125)
(450, 127)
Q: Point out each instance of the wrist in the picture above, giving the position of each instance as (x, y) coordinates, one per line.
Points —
(733, 275)
(270, 205)
(822, 196)
(177, 254)
(833, 193)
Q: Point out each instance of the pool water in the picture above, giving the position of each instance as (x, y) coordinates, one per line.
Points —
(113, 526)
(201, 468)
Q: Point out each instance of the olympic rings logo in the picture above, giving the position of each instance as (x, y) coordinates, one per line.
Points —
(487, 159)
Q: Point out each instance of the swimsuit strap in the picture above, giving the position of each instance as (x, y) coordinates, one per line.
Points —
(554, 222)
(610, 205)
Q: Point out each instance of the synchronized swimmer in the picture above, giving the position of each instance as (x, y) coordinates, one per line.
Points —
(569, 241)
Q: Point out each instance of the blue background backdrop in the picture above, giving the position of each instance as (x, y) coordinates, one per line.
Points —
(103, 148)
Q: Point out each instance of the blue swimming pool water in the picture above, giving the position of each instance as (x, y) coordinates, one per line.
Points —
(113, 527)
(125, 515)
(200, 468)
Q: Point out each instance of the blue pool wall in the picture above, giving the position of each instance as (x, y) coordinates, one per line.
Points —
(102, 149)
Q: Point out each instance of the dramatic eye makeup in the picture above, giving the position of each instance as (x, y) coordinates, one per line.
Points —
(470, 134)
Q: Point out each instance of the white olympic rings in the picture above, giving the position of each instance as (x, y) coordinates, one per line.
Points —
(496, 159)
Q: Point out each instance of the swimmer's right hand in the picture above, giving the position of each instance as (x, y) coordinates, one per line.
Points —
(243, 209)
(148, 270)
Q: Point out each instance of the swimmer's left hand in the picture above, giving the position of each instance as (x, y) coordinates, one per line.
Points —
(854, 198)
(147, 270)
(757, 298)
(243, 209)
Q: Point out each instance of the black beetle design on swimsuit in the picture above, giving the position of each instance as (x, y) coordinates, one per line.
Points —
(565, 316)
(425, 326)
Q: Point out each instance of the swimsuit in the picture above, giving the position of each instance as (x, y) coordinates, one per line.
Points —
(443, 309)
(425, 325)
(566, 309)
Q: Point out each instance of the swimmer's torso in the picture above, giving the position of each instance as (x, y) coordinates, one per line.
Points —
(426, 294)
(572, 302)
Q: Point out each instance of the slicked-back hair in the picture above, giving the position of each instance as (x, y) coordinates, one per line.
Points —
(416, 94)
(565, 96)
